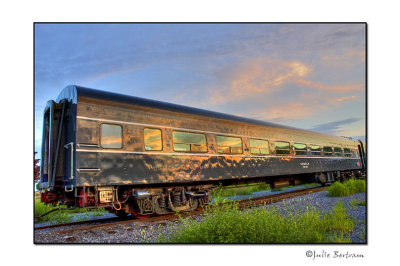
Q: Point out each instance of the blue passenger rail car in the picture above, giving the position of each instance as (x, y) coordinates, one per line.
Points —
(140, 156)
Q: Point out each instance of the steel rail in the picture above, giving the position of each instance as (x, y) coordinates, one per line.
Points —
(100, 220)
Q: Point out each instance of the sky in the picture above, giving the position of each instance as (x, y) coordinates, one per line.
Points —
(310, 76)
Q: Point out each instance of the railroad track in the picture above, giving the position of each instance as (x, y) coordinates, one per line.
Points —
(100, 220)
(246, 203)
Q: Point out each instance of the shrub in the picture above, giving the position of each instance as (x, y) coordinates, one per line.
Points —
(337, 189)
(351, 186)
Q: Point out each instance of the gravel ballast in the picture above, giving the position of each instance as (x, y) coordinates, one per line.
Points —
(140, 232)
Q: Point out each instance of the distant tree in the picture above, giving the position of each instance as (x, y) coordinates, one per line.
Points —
(36, 168)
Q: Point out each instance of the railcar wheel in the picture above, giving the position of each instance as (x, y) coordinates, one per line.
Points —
(159, 205)
(194, 204)
(320, 178)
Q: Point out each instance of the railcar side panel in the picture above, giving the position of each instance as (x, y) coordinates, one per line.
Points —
(139, 169)
(133, 165)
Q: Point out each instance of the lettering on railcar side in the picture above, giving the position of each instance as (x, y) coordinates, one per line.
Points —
(305, 165)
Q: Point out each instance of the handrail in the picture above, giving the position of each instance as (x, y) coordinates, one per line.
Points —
(72, 158)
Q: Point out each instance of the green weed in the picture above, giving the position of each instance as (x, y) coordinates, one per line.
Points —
(242, 190)
(349, 187)
(361, 203)
(354, 203)
(221, 192)
(227, 224)
(63, 216)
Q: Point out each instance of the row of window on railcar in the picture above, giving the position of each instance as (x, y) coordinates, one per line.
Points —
(111, 137)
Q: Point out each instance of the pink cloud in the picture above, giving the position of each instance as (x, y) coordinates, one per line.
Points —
(261, 76)
(257, 76)
(287, 111)
(335, 88)
(342, 99)
(300, 108)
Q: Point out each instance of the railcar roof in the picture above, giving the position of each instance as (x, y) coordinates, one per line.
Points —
(72, 92)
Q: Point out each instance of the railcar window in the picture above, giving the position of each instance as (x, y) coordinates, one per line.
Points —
(328, 151)
(282, 147)
(152, 139)
(111, 136)
(338, 151)
(301, 149)
(355, 152)
(258, 146)
(315, 150)
(189, 142)
(229, 144)
(347, 152)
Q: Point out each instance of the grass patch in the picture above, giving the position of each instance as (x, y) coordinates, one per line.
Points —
(219, 195)
(308, 185)
(362, 203)
(242, 190)
(354, 203)
(227, 224)
(64, 216)
(349, 187)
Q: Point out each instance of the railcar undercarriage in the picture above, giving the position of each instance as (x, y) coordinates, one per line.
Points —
(123, 200)
(139, 201)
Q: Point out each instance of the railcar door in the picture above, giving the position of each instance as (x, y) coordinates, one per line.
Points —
(45, 158)
(52, 163)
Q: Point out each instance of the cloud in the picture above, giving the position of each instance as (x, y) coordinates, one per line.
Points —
(346, 59)
(343, 99)
(299, 107)
(271, 90)
(334, 127)
(255, 76)
(101, 50)
(334, 88)
(258, 77)
(284, 112)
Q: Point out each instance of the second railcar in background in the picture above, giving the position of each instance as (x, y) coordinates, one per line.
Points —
(140, 156)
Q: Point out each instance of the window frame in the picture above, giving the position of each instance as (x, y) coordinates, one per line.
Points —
(101, 135)
(162, 141)
(230, 147)
(311, 151)
(290, 151)
(269, 148)
(325, 153)
(190, 144)
(306, 151)
(349, 154)
(336, 154)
